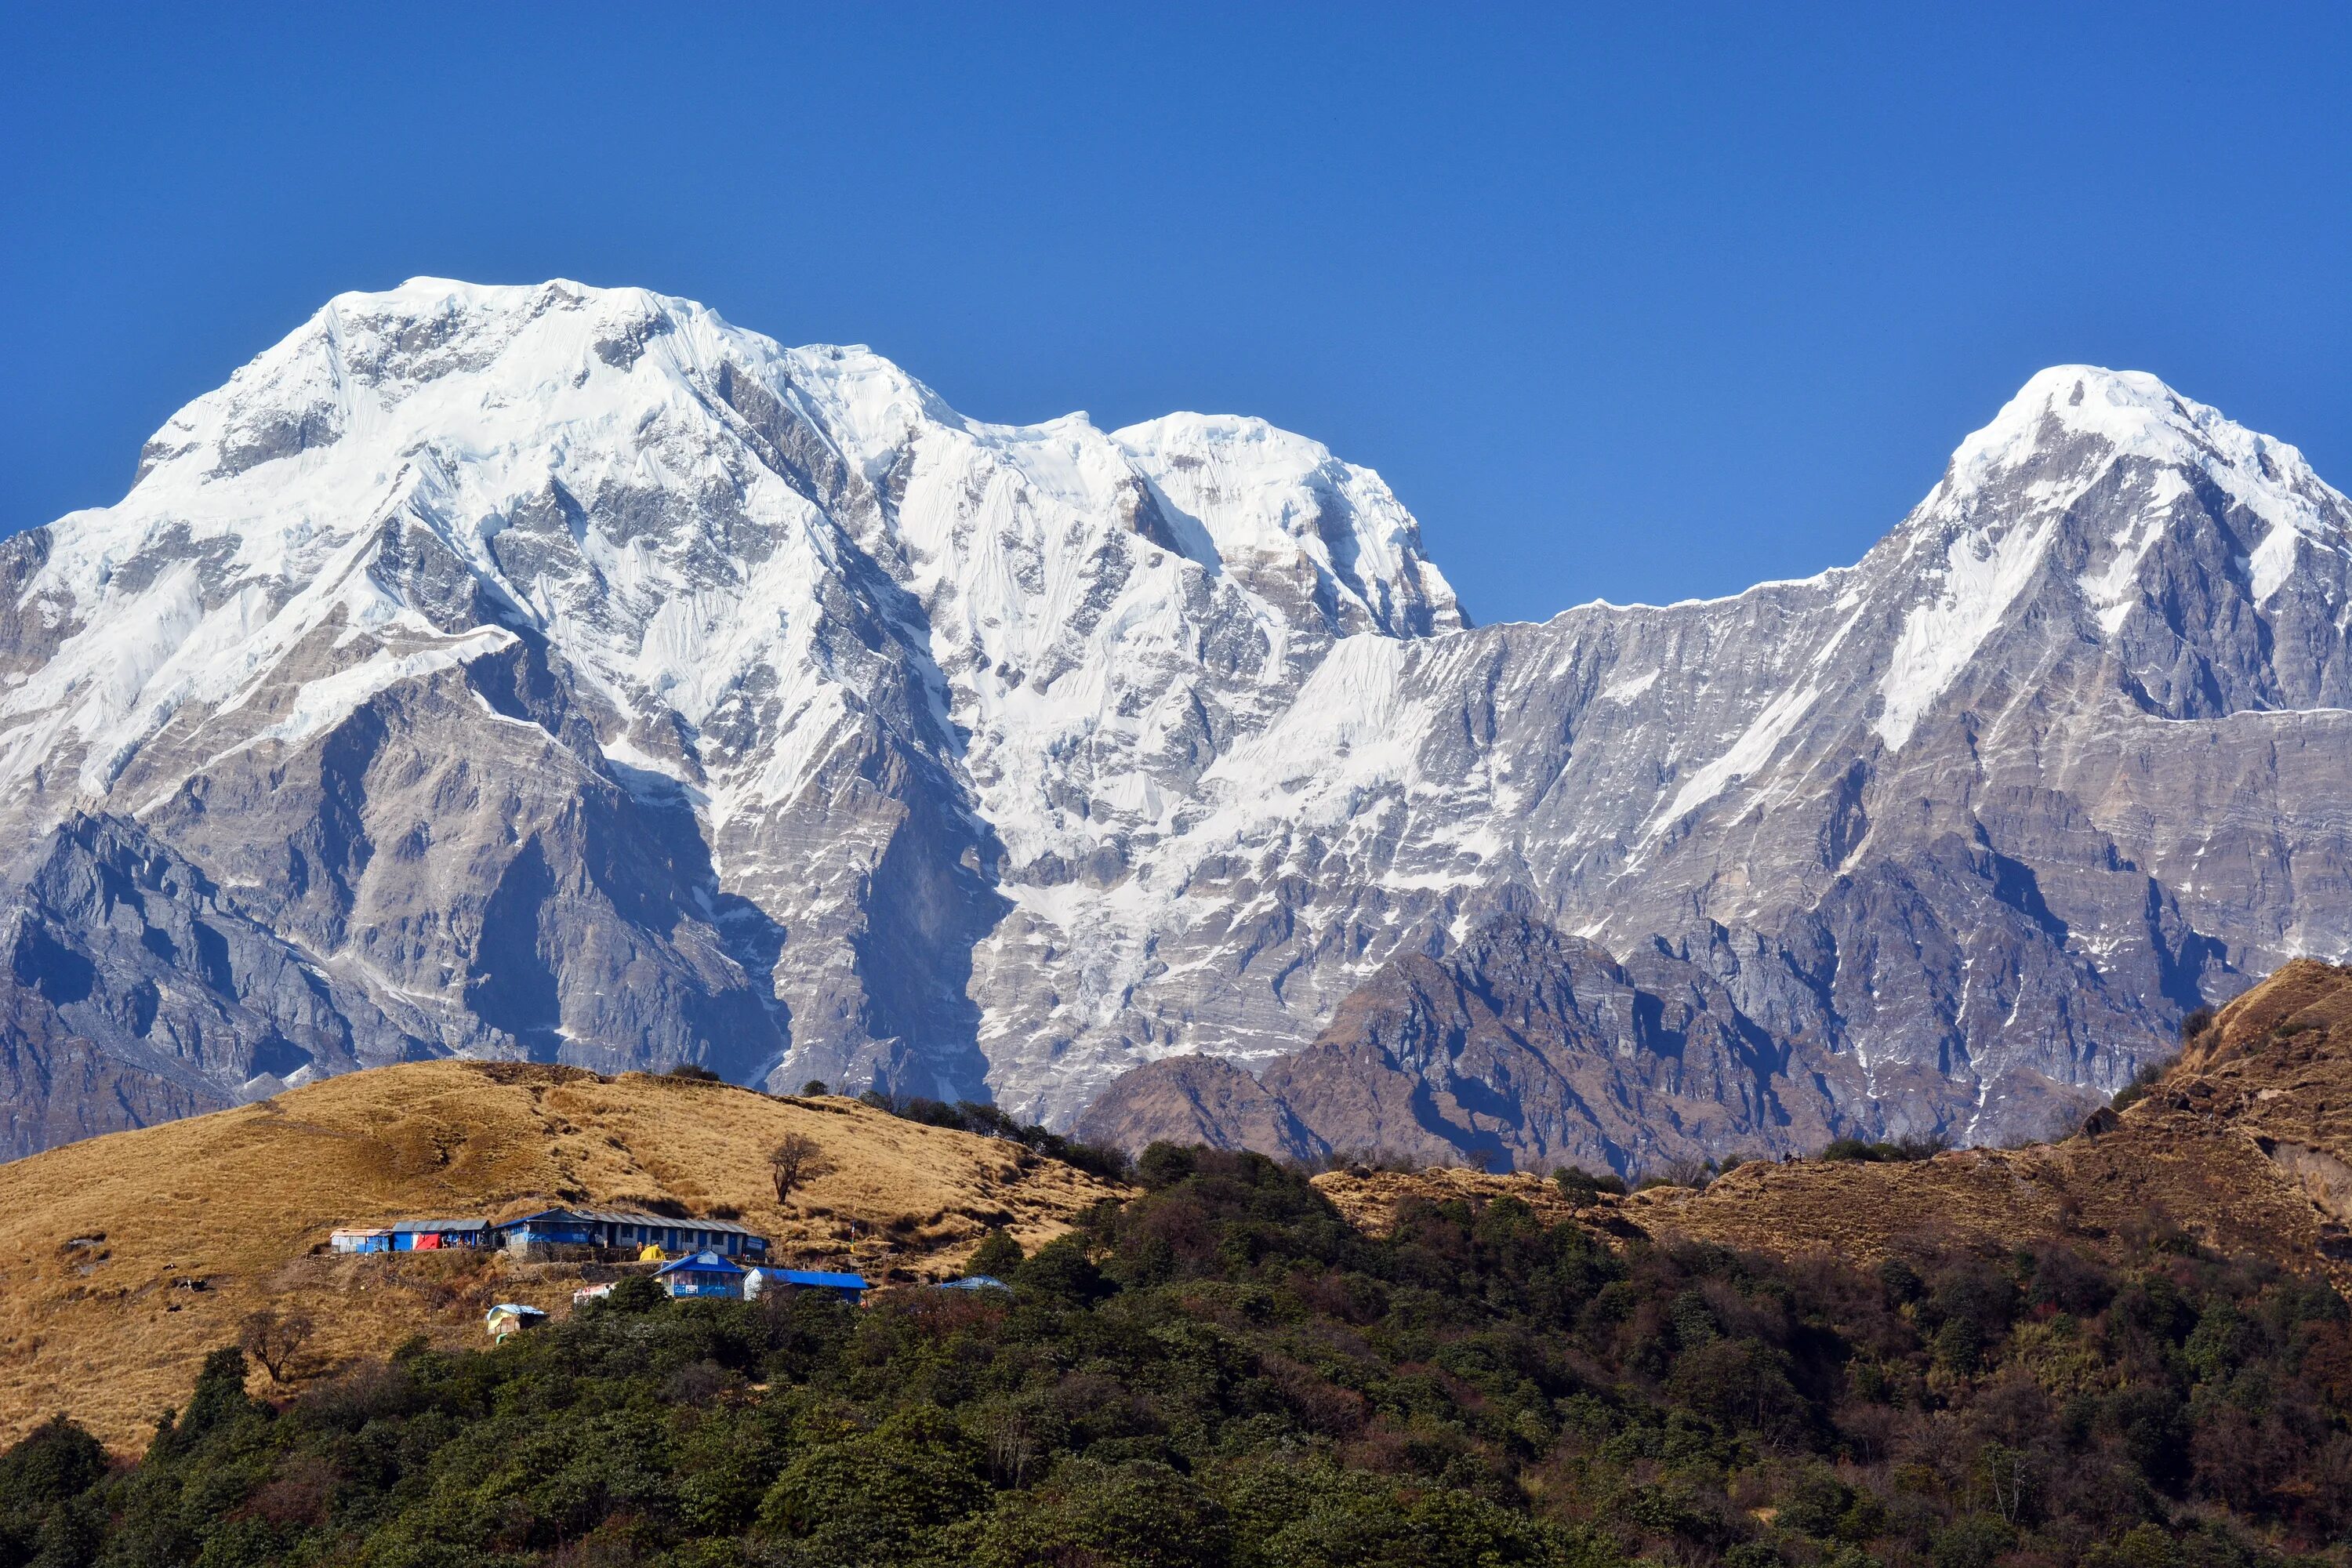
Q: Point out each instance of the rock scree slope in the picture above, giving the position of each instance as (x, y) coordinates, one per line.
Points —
(562, 674)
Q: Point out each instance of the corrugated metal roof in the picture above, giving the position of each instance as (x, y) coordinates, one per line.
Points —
(813, 1276)
(440, 1225)
(700, 1263)
(632, 1217)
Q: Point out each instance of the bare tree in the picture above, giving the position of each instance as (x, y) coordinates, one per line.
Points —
(275, 1339)
(798, 1159)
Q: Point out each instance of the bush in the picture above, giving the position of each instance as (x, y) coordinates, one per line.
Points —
(1139, 1514)
(1970, 1542)
(42, 1483)
(1581, 1188)
(1910, 1146)
(1062, 1272)
(1221, 1370)
(1682, 1173)
(992, 1121)
(878, 1496)
(2142, 1082)
(997, 1256)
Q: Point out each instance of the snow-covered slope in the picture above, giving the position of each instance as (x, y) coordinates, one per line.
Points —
(566, 672)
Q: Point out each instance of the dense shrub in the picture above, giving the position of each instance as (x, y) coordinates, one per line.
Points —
(1581, 1188)
(1222, 1372)
(1910, 1146)
(2143, 1081)
(994, 1122)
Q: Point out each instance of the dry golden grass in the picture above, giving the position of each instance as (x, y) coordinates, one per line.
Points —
(1369, 1200)
(2245, 1146)
(240, 1202)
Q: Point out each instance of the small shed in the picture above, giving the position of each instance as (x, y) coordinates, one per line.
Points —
(702, 1273)
(850, 1288)
(587, 1293)
(357, 1239)
(434, 1235)
(507, 1318)
(975, 1283)
(548, 1227)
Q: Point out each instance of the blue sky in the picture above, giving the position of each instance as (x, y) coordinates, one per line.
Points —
(1624, 306)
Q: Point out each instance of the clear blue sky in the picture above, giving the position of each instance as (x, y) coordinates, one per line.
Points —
(1635, 303)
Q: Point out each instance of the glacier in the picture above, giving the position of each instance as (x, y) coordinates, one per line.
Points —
(563, 672)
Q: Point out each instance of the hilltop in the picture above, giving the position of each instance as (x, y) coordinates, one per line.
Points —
(123, 1259)
(1219, 1373)
(2244, 1145)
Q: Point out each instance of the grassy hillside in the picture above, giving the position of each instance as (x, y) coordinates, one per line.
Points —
(2244, 1145)
(238, 1201)
(1224, 1373)
(2126, 1351)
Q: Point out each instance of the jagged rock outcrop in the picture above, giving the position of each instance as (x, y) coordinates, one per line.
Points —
(564, 673)
(1522, 1049)
(1201, 1099)
(2243, 1145)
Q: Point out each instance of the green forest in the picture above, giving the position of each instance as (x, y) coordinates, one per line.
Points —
(1223, 1371)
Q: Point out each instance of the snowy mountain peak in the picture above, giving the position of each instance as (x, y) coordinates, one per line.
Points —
(2086, 417)
(2130, 485)
(2130, 410)
(524, 378)
(563, 671)
(780, 586)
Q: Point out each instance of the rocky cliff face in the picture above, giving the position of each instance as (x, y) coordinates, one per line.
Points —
(1521, 1050)
(564, 673)
(1959, 830)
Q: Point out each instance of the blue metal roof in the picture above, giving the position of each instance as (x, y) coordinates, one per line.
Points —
(444, 1225)
(635, 1217)
(813, 1276)
(700, 1263)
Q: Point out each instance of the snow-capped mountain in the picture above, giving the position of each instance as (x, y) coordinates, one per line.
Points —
(562, 671)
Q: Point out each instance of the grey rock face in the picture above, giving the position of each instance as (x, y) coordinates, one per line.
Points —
(1522, 1048)
(564, 673)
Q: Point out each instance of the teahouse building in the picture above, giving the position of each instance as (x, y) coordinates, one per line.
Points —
(620, 1228)
(702, 1274)
(433, 1235)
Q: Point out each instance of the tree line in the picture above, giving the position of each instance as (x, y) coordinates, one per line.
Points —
(1222, 1372)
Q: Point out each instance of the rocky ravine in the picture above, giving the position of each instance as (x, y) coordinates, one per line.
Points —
(562, 673)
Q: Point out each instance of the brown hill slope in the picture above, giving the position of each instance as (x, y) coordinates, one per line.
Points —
(2245, 1145)
(103, 1243)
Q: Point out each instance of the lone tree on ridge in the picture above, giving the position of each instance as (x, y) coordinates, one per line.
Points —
(798, 1159)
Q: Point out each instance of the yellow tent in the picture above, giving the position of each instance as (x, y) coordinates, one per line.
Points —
(651, 1254)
